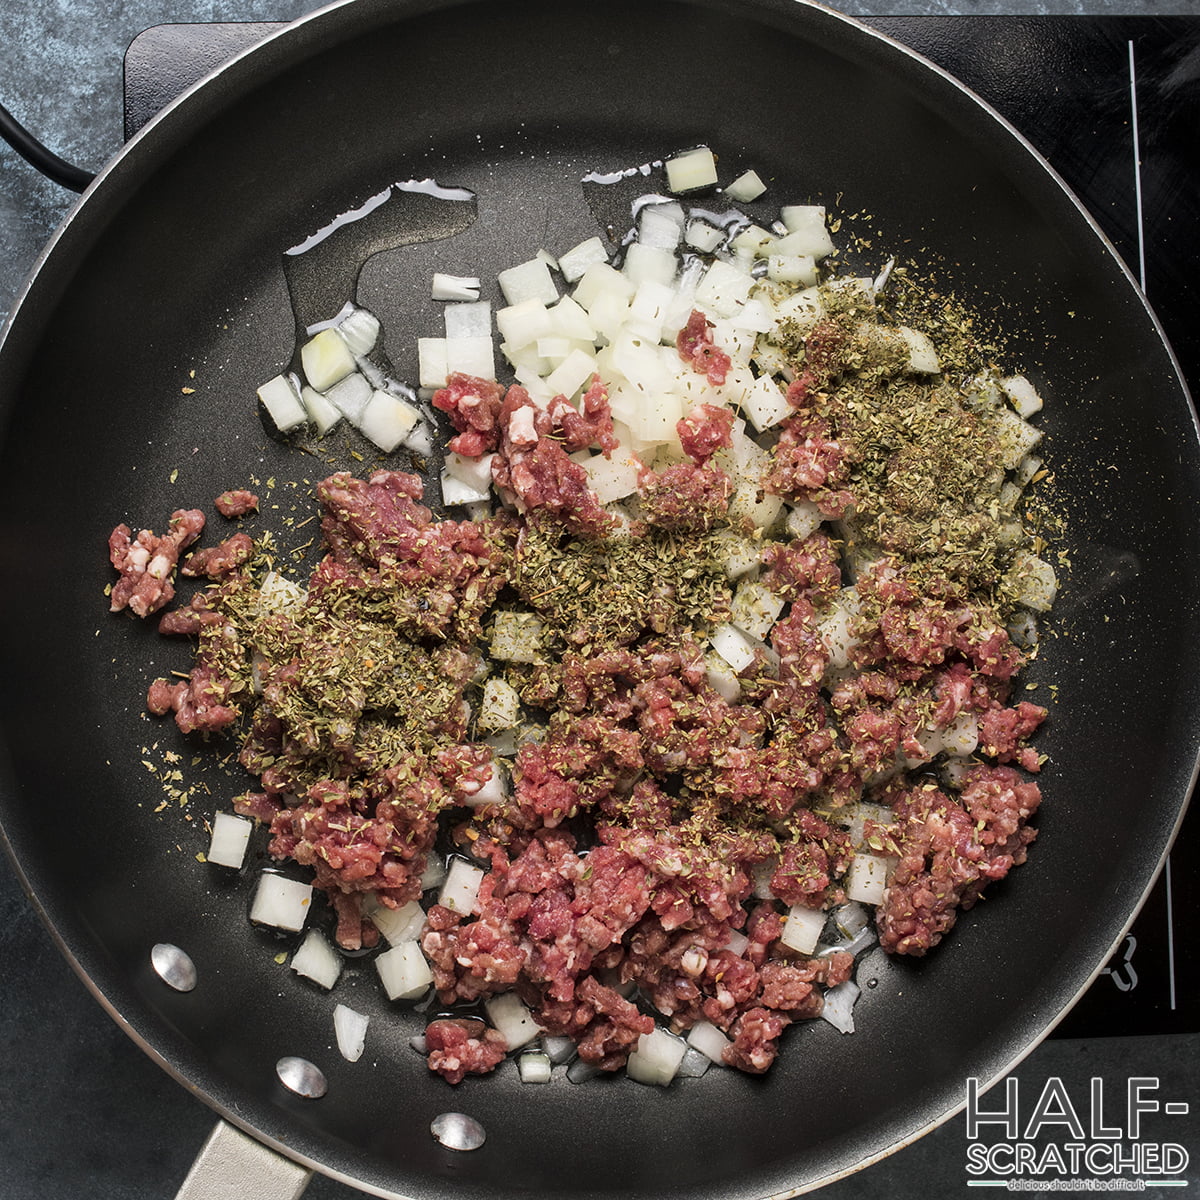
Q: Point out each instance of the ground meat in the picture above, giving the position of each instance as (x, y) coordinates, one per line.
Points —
(236, 503)
(474, 408)
(461, 1048)
(705, 430)
(199, 702)
(808, 464)
(589, 425)
(218, 561)
(695, 345)
(146, 563)
(950, 851)
(686, 496)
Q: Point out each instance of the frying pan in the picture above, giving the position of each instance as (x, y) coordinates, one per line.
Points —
(172, 265)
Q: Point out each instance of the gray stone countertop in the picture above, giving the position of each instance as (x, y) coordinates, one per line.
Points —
(83, 1113)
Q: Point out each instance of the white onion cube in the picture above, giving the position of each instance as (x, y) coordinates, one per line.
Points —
(576, 261)
(326, 358)
(282, 403)
(500, 707)
(922, 357)
(746, 187)
(656, 1058)
(468, 320)
(404, 971)
(692, 170)
(281, 902)
(1022, 395)
(350, 1029)
(866, 880)
(350, 396)
(571, 374)
(709, 1040)
(802, 928)
(703, 236)
(317, 960)
(230, 837)
(453, 287)
(522, 324)
(724, 288)
(764, 403)
(516, 637)
(431, 360)
(755, 608)
(359, 329)
(806, 226)
(455, 491)
(529, 281)
(387, 420)
(461, 888)
(734, 646)
(321, 412)
(534, 1067)
(510, 1017)
(471, 356)
(649, 263)
(839, 1005)
(403, 924)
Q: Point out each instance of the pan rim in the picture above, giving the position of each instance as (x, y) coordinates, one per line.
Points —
(117, 165)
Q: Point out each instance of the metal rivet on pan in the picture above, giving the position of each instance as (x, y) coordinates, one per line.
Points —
(302, 1077)
(173, 967)
(457, 1131)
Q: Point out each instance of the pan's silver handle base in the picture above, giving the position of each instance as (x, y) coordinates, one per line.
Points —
(232, 1166)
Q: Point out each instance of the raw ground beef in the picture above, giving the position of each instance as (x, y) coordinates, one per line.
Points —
(644, 837)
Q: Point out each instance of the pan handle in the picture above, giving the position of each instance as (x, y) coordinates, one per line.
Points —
(233, 1166)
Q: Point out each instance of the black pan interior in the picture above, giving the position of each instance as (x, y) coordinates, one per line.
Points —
(173, 266)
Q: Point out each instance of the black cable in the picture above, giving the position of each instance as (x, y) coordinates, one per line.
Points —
(46, 161)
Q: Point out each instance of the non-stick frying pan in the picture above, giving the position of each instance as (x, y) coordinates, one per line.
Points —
(172, 265)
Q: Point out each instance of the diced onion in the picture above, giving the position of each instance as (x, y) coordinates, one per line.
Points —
(802, 928)
(574, 262)
(461, 888)
(709, 1040)
(350, 1028)
(839, 1005)
(403, 924)
(453, 287)
(317, 960)
(500, 707)
(1022, 394)
(359, 329)
(747, 186)
(693, 1064)
(533, 1067)
(326, 358)
(656, 1058)
(528, 281)
(282, 402)
(230, 837)
(404, 971)
(350, 396)
(866, 880)
(387, 420)
(512, 1019)
(692, 170)
(281, 902)
(321, 412)
(516, 637)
